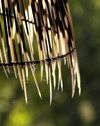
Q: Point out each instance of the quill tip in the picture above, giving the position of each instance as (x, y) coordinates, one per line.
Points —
(79, 91)
(40, 95)
(26, 100)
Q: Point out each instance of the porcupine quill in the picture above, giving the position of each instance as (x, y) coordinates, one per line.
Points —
(52, 24)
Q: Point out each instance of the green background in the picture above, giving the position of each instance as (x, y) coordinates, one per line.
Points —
(64, 111)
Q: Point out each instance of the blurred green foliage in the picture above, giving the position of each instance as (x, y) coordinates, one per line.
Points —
(64, 111)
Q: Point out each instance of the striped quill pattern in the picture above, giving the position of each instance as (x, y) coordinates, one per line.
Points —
(50, 21)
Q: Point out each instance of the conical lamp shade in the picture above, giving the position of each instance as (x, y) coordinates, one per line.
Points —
(48, 20)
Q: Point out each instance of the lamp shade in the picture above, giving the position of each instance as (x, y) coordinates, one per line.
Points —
(50, 22)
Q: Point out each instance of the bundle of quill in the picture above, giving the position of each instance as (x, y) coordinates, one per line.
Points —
(50, 21)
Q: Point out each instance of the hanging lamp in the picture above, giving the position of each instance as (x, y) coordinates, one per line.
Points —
(50, 21)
